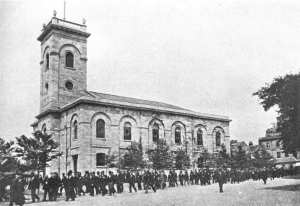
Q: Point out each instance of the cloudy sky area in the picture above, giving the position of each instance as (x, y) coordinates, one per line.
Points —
(208, 56)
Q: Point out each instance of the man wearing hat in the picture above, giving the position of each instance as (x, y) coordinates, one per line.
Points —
(17, 191)
(70, 187)
(33, 186)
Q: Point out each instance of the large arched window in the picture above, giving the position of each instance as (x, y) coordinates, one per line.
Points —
(69, 59)
(127, 131)
(155, 132)
(100, 128)
(218, 138)
(47, 61)
(199, 137)
(75, 129)
(178, 135)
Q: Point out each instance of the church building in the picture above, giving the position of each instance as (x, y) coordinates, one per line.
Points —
(89, 125)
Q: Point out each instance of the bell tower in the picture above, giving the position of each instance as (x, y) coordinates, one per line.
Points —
(63, 63)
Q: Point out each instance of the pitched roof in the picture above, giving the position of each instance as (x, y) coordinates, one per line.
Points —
(129, 102)
(267, 138)
(90, 97)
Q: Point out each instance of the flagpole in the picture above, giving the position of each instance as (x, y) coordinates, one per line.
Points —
(64, 10)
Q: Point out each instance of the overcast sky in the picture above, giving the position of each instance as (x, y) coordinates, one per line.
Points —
(208, 56)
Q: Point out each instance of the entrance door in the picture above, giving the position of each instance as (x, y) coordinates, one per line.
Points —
(75, 158)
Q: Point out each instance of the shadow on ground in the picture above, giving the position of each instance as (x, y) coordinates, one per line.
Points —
(284, 187)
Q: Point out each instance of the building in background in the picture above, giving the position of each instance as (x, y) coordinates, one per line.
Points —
(90, 125)
(272, 142)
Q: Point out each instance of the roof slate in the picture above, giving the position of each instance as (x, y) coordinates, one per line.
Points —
(144, 104)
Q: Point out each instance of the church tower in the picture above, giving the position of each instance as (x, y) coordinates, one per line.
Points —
(63, 63)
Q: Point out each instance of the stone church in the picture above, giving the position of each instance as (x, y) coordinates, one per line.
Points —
(89, 125)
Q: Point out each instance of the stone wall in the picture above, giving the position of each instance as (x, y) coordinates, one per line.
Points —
(87, 144)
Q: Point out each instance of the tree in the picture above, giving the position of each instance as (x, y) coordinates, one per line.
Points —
(240, 159)
(182, 160)
(222, 158)
(284, 92)
(37, 151)
(161, 156)
(262, 158)
(111, 160)
(133, 158)
(8, 162)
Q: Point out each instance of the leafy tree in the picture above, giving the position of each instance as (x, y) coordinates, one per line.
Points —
(133, 158)
(161, 156)
(222, 158)
(262, 158)
(182, 160)
(111, 160)
(37, 151)
(7, 161)
(205, 157)
(284, 92)
(240, 159)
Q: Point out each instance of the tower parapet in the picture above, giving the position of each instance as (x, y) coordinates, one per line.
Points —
(63, 62)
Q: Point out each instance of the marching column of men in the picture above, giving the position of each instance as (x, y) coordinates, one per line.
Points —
(99, 183)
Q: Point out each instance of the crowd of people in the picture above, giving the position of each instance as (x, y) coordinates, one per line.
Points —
(99, 183)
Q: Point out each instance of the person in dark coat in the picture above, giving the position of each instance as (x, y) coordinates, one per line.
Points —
(70, 187)
(148, 179)
(131, 181)
(139, 180)
(33, 186)
(46, 187)
(103, 182)
(17, 191)
(221, 179)
(119, 181)
(53, 184)
(111, 182)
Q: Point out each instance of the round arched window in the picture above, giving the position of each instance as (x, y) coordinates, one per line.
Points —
(178, 135)
(69, 60)
(69, 85)
(46, 87)
(155, 132)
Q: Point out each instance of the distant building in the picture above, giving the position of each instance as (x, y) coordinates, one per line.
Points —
(272, 142)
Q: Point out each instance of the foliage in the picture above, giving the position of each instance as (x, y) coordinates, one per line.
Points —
(240, 159)
(284, 92)
(133, 158)
(37, 151)
(261, 158)
(182, 160)
(110, 160)
(7, 161)
(161, 157)
(222, 158)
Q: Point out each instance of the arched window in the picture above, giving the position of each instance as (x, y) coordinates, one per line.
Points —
(127, 131)
(100, 128)
(199, 137)
(47, 61)
(44, 129)
(218, 139)
(75, 129)
(69, 60)
(155, 132)
(178, 135)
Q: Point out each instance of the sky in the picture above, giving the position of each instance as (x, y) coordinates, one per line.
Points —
(208, 56)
